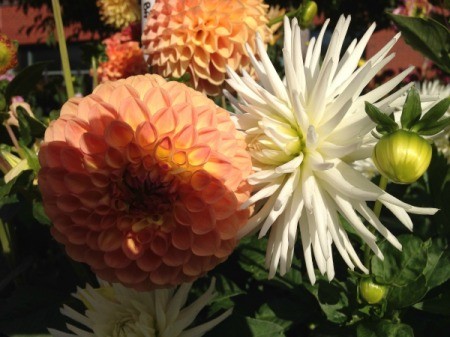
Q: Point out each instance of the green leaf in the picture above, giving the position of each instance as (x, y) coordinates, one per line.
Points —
(437, 270)
(413, 292)
(437, 305)
(261, 328)
(383, 121)
(400, 267)
(411, 110)
(434, 128)
(225, 290)
(31, 157)
(19, 183)
(3, 104)
(29, 126)
(252, 258)
(434, 114)
(384, 328)
(39, 213)
(332, 298)
(24, 127)
(427, 36)
(25, 81)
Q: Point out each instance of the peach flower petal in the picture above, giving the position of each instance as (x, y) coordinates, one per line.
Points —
(134, 193)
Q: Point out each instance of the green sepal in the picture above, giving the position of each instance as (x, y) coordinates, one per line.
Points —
(433, 115)
(385, 124)
(31, 157)
(412, 109)
(30, 124)
(434, 128)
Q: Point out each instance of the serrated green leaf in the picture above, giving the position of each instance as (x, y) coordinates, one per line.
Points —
(402, 297)
(434, 114)
(383, 328)
(434, 128)
(427, 36)
(25, 81)
(437, 270)
(332, 298)
(400, 267)
(383, 121)
(261, 328)
(412, 109)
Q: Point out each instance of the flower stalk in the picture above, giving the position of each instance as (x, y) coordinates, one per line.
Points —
(6, 242)
(94, 72)
(63, 48)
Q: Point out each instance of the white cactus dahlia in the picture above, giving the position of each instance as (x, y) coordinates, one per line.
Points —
(302, 133)
(116, 311)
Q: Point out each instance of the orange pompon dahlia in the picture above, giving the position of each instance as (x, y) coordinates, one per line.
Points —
(8, 54)
(144, 181)
(202, 37)
(119, 13)
(125, 58)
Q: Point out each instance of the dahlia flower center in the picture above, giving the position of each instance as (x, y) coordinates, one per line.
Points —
(146, 194)
(279, 143)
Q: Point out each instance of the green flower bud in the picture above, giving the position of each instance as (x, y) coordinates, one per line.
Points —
(308, 14)
(371, 292)
(402, 156)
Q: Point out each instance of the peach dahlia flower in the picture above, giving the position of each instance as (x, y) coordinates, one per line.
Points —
(143, 180)
(125, 58)
(202, 37)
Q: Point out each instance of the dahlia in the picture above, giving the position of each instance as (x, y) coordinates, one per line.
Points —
(415, 8)
(113, 310)
(119, 13)
(125, 58)
(202, 37)
(8, 54)
(144, 181)
(301, 134)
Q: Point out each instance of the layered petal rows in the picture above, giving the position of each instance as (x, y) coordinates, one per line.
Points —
(144, 181)
(303, 133)
(202, 37)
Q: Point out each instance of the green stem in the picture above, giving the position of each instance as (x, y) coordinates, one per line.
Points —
(5, 240)
(377, 210)
(63, 48)
(94, 72)
(293, 13)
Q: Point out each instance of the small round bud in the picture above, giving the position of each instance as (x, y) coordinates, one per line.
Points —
(371, 292)
(402, 156)
(308, 14)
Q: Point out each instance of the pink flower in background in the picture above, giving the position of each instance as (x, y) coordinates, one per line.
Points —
(202, 37)
(144, 180)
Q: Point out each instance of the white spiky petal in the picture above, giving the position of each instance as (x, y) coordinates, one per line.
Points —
(302, 133)
(116, 311)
